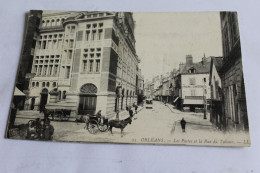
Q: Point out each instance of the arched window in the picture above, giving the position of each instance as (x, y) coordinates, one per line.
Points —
(64, 95)
(33, 84)
(43, 23)
(43, 84)
(37, 84)
(48, 84)
(88, 89)
(54, 84)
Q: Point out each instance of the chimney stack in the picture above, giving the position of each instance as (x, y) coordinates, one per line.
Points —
(189, 60)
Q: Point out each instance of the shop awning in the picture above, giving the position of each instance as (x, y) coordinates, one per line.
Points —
(18, 92)
(176, 99)
(193, 102)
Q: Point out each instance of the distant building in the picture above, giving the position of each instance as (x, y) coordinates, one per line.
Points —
(235, 109)
(82, 60)
(140, 86)
(195, 83)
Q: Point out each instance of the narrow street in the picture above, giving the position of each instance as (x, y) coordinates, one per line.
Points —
(160, 125)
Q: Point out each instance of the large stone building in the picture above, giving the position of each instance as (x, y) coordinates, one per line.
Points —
(235, 110)
(80, 60)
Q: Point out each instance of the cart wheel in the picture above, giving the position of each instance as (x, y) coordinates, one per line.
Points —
(93, 127)
(59, 115)
(67, 117)
(103, 127)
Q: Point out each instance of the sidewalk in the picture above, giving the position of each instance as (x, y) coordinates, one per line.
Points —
(125, 114)
(191, 117)
(31, 114)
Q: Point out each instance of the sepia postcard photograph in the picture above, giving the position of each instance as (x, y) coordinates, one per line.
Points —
(160, 78)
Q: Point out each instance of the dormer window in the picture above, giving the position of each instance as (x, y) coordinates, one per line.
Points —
(192, 70)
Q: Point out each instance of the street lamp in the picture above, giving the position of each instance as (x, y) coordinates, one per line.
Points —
(204, 99)
(118, 94)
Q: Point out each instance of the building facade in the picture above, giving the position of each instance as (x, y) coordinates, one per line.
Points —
(80, 60)
(195, 90)
(216, 95)
(25, 66)
(235, 110)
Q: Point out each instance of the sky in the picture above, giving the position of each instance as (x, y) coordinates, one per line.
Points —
(164, 39)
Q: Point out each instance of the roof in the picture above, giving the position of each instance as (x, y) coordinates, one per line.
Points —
(17, 92)
(199, 67)
(218, 62)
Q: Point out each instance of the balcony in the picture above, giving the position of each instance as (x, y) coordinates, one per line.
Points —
(51, 28)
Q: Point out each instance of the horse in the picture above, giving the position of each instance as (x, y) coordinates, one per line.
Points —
(119, 124)
(47, 112)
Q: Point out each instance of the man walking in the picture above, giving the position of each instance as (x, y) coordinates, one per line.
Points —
(183, 124)
(135, 106)
(131, 112)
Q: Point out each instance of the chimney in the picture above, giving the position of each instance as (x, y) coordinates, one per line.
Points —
(181, 66)
(189, 60)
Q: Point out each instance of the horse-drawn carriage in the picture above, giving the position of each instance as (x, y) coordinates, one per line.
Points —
(40, 129)
(57, 114)
(95, 124)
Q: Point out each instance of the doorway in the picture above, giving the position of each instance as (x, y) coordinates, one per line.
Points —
(87, 104)
(87, 99)
(32, 103)
(44, 97)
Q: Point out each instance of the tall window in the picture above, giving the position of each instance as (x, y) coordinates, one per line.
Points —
(100, 31)
(87, 35)
(72, 29)
(84, 67)
(35, 69)
(50, 70)
(44, 70)
(55, 70)
(97, 65)
(91, 60)
(192, 81)
(40, 70)
(91, 66)
(67, 74)
(71, 43)
(69, 54)
(93, 34)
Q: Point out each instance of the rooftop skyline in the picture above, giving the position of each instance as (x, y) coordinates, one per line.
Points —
(164, 39)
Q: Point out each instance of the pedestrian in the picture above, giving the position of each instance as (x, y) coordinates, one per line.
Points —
(131, 112)
(183, 124)
(135, 106)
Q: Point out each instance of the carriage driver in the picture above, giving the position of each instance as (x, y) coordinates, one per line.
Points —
(99, 116)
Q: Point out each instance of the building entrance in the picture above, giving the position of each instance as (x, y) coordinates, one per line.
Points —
(44, 97)
(87, 105)
(87, 99)
(32, 103)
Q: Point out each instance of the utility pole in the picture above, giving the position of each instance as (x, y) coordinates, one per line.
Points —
(204, 99)
(118, 94)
